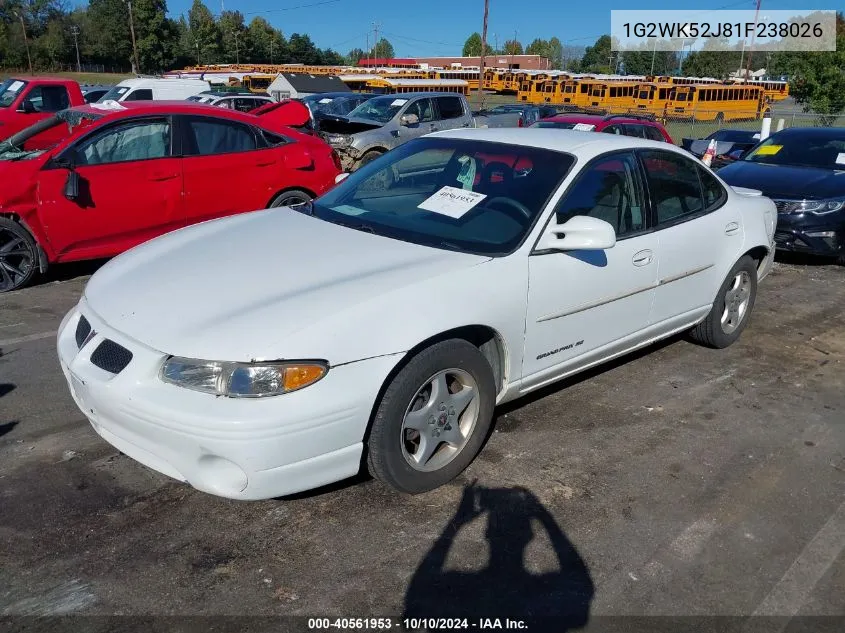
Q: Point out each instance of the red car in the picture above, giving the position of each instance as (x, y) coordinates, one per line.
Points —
(125, 173)
(625, 124)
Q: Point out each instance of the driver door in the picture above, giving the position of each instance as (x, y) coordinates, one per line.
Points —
(130, 190)
(424, 109)
(586, 305)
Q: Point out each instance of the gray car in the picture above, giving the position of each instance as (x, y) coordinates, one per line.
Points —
(384, 122)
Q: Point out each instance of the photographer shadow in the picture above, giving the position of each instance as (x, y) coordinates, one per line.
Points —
(504, 588)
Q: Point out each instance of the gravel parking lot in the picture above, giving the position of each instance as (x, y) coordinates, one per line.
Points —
(681, 481)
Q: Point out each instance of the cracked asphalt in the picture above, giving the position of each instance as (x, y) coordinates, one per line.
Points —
(680, 481)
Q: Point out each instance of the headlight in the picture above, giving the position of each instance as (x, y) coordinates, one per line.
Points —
(818, 207)
(242, 380)
(339, 140)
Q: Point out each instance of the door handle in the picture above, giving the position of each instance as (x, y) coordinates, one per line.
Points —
(161, 176)
(732, 228)
(265, 163)
(643, 258)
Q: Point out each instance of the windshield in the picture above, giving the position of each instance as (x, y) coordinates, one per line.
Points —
(380, 109)
(471, 196)
(115, 93)
(804, 150)
(44, 135)
(9, 91)
(735, 136)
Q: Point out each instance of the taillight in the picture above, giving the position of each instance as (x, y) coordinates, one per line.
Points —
(336, 160)
(520, 122)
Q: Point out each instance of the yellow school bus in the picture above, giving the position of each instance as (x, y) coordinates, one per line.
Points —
(774, 90)
(469, 75)
(652, 98)
(387, 85)
(717, 102)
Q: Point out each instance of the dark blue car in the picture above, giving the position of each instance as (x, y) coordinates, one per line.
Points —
(803, 171)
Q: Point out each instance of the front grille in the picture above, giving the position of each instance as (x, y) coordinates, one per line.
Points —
(111, 357)
(83, 329)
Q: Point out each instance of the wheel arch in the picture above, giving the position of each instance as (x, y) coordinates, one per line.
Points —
(758, 254)
(286, 189)
(43, 259)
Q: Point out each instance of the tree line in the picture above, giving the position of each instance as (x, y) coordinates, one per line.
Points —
(45, 34)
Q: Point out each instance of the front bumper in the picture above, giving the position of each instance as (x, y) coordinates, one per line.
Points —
(800, 234)
(236, 448)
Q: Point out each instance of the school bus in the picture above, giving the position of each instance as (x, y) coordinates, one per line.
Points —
(723, 102)
(257, 83)
(652, 98)
(774, 90)
(469, 75)
(385, 85)
(614, 96)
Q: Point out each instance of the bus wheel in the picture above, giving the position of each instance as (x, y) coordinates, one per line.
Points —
(720, 117)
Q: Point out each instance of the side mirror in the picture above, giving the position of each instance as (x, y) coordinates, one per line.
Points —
(341, 177)
(581, 233)
(27, 107)
(71, 190)
(408, 120)
(297, 157)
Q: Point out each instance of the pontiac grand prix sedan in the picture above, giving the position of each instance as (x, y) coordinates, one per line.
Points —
(385, 320)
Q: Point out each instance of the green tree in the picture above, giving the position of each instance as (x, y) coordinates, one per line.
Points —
(646, 61)
(155, 34)
(233, 40)
(816, 79)
(107, 39)
(472, 47)
(267, 45)
(538, 47)
(556, 53)
(204, 33)
(597, 57)
(355, 55)
(383, 50)
(512, 47)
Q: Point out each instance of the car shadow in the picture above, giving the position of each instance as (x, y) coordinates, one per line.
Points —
(803, 259)
(6, 427)
(65, 272)
(504, 588)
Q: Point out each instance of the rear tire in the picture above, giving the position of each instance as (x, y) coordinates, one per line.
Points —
(453, 416)
(731, 309)
(18, 256)
(290, 198)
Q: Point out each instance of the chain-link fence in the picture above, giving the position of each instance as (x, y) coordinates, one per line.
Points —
(781, 119)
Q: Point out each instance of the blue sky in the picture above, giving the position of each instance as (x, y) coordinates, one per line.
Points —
(440, 27)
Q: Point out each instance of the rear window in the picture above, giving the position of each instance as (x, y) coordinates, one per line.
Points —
(142, 94)
(561, 125)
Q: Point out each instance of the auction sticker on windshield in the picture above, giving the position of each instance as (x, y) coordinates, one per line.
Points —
(584, 127)
(398, 102)
(768, 150)
(15, 86)
(451, 201)
(840, 159)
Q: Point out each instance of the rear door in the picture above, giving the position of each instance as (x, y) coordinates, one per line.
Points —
(227, 167)
(130, 190)
(451, 113)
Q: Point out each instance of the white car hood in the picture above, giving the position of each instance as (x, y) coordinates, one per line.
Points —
(236, 288)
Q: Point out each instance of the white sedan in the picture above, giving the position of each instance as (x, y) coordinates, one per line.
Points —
(277, 351)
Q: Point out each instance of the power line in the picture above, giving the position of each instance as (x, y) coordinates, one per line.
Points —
(300, 6)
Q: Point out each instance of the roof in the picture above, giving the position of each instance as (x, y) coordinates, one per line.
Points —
(585, 144)
(412, 95)
(423, 82)
(40, 79)
(302, 82)
(129, 108)
(595, 119)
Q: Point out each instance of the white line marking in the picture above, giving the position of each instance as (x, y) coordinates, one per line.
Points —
(791, 592)
(28, 338)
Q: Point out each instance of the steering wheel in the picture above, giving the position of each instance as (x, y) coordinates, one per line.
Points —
(513, 205)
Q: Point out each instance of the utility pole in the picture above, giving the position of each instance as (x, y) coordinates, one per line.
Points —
(25, 40)
(653, 55)
(199, 63)
(237, 49)
(376, 26)
(496, 41)
(513, 47)
(751, 47)
(271, 49)
(483, 54)
(74, 30)
(132, 32)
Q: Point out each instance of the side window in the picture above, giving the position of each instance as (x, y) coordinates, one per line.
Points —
(132, 141)
(48, 98)
(714, 192)
(634, 129)
(214, 136)
(450, 107)
(674, 186)
(653, 133)
(610, 189)
(423, 109)
(142, 94)
(246, 104)
(613, 129)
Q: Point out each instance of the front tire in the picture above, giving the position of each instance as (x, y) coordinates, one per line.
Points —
(18, 256)
(732, 308)
(369, 157)
(433, 418)
(290, 198)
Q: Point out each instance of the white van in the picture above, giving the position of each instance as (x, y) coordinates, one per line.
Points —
(155, 89)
